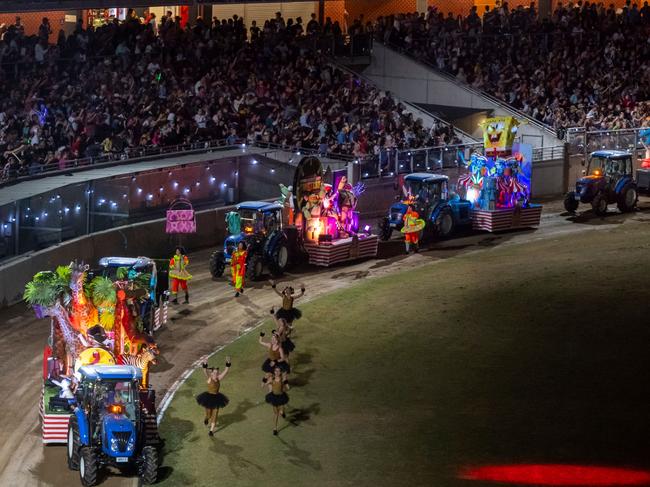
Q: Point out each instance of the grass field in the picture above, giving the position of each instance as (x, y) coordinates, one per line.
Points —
(520, 354)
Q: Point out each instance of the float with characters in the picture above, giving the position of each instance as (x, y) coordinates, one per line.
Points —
(326, 216)
(317, 222)
(493, 195)
(93, 322)
(498, 182)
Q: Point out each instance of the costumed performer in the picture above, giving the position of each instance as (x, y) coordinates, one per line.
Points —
(276, 357)
(179, 275)
(283, 331)
(413, 225)
(277, 396)
(238, 268)
(287, 311)
(213, 400)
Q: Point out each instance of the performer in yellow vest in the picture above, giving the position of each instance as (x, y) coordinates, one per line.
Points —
(179, 275)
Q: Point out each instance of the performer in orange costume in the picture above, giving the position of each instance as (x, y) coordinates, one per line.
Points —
(413, 225)
(238, 268)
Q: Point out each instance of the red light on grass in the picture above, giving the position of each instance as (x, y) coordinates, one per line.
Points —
(558, 475)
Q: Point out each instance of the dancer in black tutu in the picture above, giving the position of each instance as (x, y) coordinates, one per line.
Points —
(283, 331)
(277, 396)
(276, 357)
(213, 400)
(288, 312)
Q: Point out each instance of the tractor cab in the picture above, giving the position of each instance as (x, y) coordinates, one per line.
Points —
(607, 179)
(134, 265)
(259, 225)
(609, 164)
(422, 190)
(257, 220)
(108, 427)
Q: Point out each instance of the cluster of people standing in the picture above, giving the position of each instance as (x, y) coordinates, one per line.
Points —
(276, 367)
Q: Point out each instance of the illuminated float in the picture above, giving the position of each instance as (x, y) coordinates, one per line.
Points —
(326, 215)
(498, 182)
(92, 322)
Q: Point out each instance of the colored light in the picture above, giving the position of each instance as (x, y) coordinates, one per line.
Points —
(116, 409)
(366, 229)
(557, 475)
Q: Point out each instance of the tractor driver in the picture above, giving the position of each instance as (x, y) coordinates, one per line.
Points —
(122, 395)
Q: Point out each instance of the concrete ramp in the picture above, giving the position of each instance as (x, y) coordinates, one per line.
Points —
(420, 84)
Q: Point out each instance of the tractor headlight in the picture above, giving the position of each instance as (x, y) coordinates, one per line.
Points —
(114, 444)
(130, 446)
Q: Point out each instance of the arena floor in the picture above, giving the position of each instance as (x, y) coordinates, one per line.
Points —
(492, 358)
(509, 353)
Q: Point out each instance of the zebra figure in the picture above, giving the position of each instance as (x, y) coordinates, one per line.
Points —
(142, 360)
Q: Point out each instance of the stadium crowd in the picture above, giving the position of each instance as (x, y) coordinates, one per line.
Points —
(151, 82)
(586, 66)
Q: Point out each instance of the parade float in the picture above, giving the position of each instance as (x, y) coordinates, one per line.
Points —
(493, 195)
(318, 222)
(326, 216)
(92, 322)
(498, 182)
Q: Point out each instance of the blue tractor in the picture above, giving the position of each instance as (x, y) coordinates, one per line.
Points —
(607, 179)
(266, 241)
(430, 196)
(109, 427)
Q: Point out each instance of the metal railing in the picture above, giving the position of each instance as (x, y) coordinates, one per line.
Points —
(582, 141)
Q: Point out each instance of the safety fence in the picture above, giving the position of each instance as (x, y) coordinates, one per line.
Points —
(582, 141)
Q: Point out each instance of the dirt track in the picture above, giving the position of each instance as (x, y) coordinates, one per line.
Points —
(212, 319)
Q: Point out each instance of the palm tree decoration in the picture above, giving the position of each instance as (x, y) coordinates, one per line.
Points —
(49, 294)
(104, 298)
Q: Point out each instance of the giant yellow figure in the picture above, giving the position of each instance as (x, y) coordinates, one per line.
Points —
(499, 133)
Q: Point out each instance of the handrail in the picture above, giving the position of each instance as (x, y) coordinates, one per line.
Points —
(502, 104)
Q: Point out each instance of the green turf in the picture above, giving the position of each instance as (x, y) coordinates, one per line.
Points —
(534, 353)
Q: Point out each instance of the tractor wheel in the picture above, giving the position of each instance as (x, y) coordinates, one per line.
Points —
(88, 467)
(627, 198)
(217, 264)
(570, 202)
(385, 231)
(279, 259)
(444, 225)
(599, 204)
(149, 467)
(73, 444)
(254, 268)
